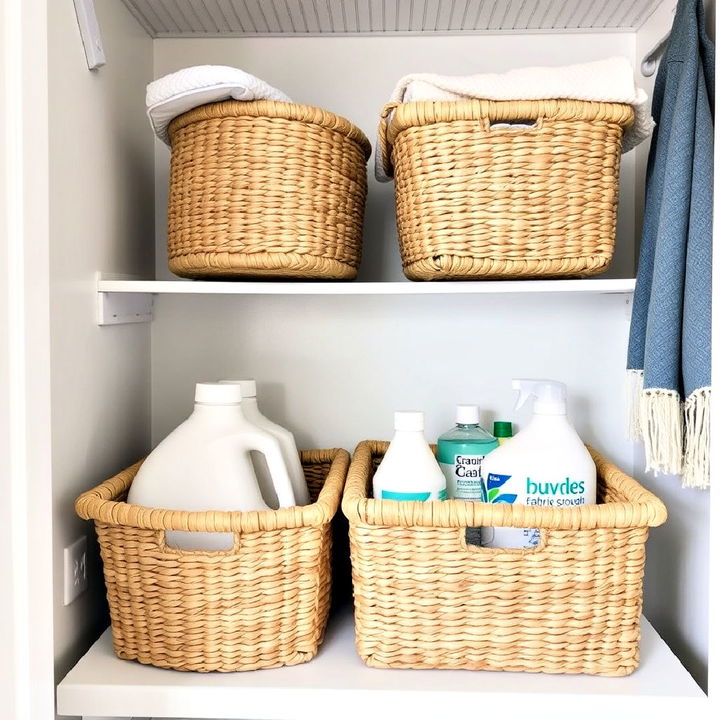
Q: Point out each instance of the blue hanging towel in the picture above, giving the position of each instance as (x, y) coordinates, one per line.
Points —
(669, 349)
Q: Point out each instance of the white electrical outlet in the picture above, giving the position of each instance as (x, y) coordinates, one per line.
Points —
(75, 562)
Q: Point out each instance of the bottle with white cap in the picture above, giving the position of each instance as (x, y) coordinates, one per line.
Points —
(204, 464)
(409, 471)
(545, 465)
(460, 452)
(251, 412)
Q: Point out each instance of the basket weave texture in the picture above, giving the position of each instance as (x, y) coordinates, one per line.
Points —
(262, 604)
(426, 599)
(478, 198)
(266, 189)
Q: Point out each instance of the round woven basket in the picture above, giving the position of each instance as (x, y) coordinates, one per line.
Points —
(506, 189)
(266, 189)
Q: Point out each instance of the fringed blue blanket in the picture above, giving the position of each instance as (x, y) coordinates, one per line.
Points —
(669, 349)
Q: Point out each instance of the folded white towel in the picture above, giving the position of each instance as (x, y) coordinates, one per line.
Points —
(175, 94)
(610, 80)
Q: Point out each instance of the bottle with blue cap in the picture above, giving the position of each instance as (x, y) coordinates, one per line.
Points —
(545, 465)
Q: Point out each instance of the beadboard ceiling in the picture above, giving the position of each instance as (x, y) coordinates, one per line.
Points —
(236, 18)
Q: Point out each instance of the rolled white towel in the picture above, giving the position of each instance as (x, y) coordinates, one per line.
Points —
(610, 80)
(178, 92)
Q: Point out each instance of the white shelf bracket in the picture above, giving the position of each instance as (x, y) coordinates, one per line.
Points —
(628, 306)
(119, 308)
(90, 33)
(657, 28)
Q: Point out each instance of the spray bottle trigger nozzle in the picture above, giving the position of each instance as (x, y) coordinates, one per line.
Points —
(549, 395)
(522, 393)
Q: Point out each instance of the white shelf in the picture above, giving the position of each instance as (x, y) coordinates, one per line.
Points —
(336, 684)
(202, 287)
(241, 18)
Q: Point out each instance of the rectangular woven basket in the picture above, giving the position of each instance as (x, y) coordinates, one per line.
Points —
(266, 189)
(262, 604)
(426, 599)
(511, 189)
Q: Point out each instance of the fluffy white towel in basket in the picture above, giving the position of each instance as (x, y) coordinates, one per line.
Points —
(175, 94)
(610, 80)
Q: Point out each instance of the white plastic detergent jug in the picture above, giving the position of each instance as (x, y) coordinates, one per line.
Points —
(204, 464)
(546, 464)
(252, 413)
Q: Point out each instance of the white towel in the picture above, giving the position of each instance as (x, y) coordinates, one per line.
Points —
(610, 80)
(175, 94)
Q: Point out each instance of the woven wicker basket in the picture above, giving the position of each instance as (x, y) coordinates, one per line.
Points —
(262, 604)
(266, 189)
(480, 200)
(426, 599)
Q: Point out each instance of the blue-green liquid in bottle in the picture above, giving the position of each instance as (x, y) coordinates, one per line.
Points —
(460, 452)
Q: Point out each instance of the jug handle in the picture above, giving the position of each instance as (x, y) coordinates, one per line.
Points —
(279, 475)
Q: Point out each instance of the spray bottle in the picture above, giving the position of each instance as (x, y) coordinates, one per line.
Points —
(546, 464)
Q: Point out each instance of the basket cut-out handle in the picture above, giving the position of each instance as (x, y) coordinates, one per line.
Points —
(383, 142)
(518, 125)
(484, 549)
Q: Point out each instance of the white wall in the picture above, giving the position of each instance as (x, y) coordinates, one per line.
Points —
(676, 587)
(334, 369)
(101, 210)
(301, 345)
(7, 605)
(354, 77)
(26, 665)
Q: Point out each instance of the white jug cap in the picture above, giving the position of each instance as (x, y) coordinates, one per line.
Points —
(467, 415)
(218, 394)
(410, 421)
(247, 387)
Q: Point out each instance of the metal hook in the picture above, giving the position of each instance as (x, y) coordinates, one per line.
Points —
(649, 63)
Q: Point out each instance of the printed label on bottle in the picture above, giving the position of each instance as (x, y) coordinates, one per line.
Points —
(464, 477)
(562, 493)
(421, 496)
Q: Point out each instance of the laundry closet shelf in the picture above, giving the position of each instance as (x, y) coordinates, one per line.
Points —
(131, 301)
(200, 287)
(337, 684)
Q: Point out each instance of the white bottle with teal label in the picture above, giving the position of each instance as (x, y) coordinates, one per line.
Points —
(409, 470)
(546, 464)
(460, 453)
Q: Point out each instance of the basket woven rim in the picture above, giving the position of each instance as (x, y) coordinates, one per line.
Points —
(274, 109)
(100, 504)
(397, 117)
(639, 509)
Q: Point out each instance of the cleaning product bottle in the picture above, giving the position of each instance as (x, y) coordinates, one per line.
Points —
(460, 453)
(409, 470)
(502, 430)
(545, 464)
(252, 413)
(204, 464)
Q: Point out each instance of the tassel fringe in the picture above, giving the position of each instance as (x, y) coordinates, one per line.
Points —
(677, 440)
(633, 391)
(661, 420)
(696, 463)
